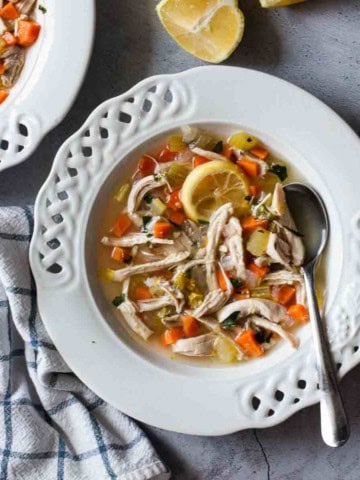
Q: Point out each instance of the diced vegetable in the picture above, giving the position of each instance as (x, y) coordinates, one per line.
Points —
(176, 174)
(195, 299)
(280, 171)
(180, 281)
(120, 254)
(176, 144)
(261, 292)
(177, 217)
(250, 223)
(3, 45)
(250, 167)
(260, 152)
(299, 313)
(146, 166)
(166, 155)
(198, 160)
(191, 326)
(118, 300)
(243, 294)
(28, 32)
(158, 207)
(3, 96)
(174, 201)
(285, 294)
(258, 242)
(259, 271)
(162, 229)
(172, 335)
(231, 321)
(225, 350)
(249, 344)
(2, 68)
(243, 141)
(254, 190)
(122, 194)
(9, 12)
(122, 224)
(142, 293)
(221, 280)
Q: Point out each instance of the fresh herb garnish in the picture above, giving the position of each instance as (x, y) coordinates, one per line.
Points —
(148, 198)
(118, 300)
(231, 321)
(42, 9)
(263, 337)
(219, 147)
(236, 283)
(145, 220)
(248, 198)
(279, 170)
(203, 222)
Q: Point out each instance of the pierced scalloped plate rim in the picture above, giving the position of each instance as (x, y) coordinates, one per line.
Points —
(26, 105)
(154, 381)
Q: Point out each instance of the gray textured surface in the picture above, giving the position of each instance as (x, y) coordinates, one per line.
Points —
(314, 45)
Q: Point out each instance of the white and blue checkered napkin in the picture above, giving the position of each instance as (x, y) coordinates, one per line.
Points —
(51, 425)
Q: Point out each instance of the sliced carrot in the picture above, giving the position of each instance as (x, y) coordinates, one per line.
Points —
(177, 217)
(3, 96)
(251, 223)
(2, 68)
(122, 224)
(228, 151)
(254, 190)
(142, 293)
(249, 344)
(174, 201)
(166, 156)
(28, 32)
(10, 39)
(199, 160)
(250, 167)
(146, 166)
(259, 271)
(221, 280)
(120, 254)
(286, 294)
(243, 294)
(162, 229)
(9, 12)
(260, 152)
(299, 313)
(172, 335)
(191, 326)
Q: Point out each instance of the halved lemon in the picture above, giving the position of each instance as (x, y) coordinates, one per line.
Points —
(208, 29)
(278, 3)
(211, 185)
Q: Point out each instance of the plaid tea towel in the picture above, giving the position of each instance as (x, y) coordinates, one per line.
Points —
(51, 425)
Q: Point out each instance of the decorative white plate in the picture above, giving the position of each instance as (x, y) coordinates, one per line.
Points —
(54, 69)
(143, 383)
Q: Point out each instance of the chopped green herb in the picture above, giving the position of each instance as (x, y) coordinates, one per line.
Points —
(279, 170)
(42, 9)
(148, 198)
(236, 283)
(203, 222)
(118, 300)
(263, 337)
(248, 198)
(145, 220)
(219, 147)
(231, 321)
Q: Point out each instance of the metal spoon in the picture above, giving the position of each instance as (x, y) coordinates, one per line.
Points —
(311, 218)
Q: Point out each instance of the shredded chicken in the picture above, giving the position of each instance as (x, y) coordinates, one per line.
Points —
(134, 239)
(254, 306)
(154, 303)
(234, 243)
(273, 327)
(13, 59)
(202, 345)
(140, 189)
(208, 154)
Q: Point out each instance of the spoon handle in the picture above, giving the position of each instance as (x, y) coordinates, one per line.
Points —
(334, 424)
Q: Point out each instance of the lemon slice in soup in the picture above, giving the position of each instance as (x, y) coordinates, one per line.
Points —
(211, 185)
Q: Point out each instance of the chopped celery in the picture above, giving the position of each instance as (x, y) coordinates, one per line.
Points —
(180, 281)
(225, 350)
(175, 143)
(195, 299)
(122, 194)
(243, 141)
(176, 174)
(158, 207)
(257, 242)
(106, 274)
(261, 292)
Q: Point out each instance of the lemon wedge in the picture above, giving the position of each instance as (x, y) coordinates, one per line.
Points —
(211, 185)
(208, 29)
(278, 3)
